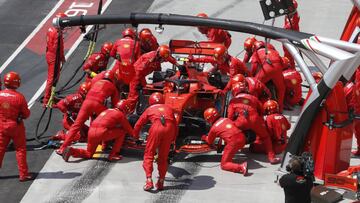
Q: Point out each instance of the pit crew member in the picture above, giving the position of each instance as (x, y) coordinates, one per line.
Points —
(70, 107)
(93, 105)
(234, 140)
(162, 134)
(111, 124)
(246, 112)
(52, 36)
(13, 109)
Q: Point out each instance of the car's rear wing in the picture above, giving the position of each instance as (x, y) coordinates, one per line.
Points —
(192, 48)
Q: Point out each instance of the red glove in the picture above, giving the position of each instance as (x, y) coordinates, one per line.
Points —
(204, 138)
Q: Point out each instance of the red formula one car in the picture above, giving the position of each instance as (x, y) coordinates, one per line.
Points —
(189, 91)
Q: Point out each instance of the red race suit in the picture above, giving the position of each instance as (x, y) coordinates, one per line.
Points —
(93, 105)
(51, 48)
(13, 108)
(161, 134)
(70, 107)
(126, 51)
(111, 124)
(234, 141)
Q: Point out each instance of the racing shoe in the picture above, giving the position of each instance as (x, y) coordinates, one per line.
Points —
(243, 168)
(160, 184)
(148, 185)
(66, 154)
(273, 159)
(26, 178)
(59, 151)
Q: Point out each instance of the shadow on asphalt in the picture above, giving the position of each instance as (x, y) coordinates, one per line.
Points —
(202, 182)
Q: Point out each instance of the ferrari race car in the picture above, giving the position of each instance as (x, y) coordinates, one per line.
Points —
(189, 90)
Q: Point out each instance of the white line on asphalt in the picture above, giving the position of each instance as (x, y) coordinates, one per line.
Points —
(68, 54)
(32, 34)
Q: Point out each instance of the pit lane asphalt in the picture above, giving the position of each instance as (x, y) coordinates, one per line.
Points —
(199, 187)
(19, 19)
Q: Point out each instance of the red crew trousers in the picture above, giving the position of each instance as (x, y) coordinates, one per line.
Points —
(237, 143)
(267, 74)
(160, 137)
(96, 136)
(50, 78)
(16, 133)
(139, 80)
(88, 109)
(67, 123)
(255, 123)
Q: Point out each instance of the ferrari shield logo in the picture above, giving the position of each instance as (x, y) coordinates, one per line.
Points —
(245, 101)
(293, 81)
(5, 105)
(228, 126)
(126, 46)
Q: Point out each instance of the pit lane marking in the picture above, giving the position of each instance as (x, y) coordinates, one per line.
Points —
(32, 34)
(98, 152)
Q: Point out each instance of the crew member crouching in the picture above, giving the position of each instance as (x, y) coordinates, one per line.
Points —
(111, 124)
(70, 107)
(277, 126)
(233, 137)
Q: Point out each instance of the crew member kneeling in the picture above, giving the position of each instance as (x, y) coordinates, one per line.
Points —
(277, 125)
(111, 124)
(233, 137)
(13, 109)
(161, 134)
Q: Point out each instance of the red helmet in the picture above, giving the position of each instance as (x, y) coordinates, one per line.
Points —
(211, 115)
(317, 76)
(240, 87)
(156, 98)
(248, 44)
(106, 48)
(202, 15)
(201, 29)
(271, 107)
(237, 78)
(12, 80)
(258, 45)
(286, 62)
(164, 51)
(145, 34)
(295, 4)
(129, 32)
(61, 15)
(124, 106)
(109, 75)
(220, 53)
(84, 88)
